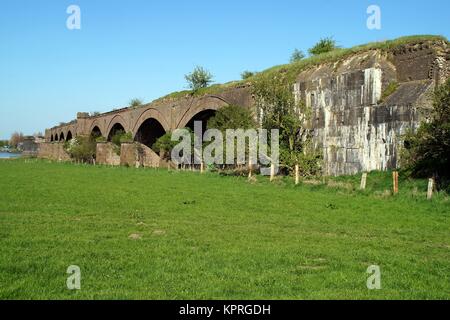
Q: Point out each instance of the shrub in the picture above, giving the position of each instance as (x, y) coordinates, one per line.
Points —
(323, 46)
(232, 117)
(247, 74)
(199, 78)
(134, 103)
(81, 148)
(426, 152)
(297, 55)
(164, 145)
(120, 137)
(278, 109)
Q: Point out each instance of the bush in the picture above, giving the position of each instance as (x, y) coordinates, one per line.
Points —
(120, 137)
(426, 152)
(81, 148)
(323, 46)
(232, 117)
(134, 103)
(278, 109)
(297, 55)
(247, 74)
(164, 145)
(199, 78)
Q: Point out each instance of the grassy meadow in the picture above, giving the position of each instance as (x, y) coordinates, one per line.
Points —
(158, 234)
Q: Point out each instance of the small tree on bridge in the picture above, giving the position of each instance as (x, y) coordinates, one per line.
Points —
(199, 78)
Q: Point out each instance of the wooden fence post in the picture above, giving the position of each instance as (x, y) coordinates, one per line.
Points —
(363, 181)
(430, 189)
(272, 172)
(297, 173)
(395, 182)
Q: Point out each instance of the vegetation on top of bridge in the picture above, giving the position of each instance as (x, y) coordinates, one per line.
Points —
(292, 70)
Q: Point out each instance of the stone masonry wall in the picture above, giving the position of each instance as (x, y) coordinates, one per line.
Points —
(52, 151)
(105, 154)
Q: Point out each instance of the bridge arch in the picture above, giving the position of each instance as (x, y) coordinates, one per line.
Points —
(149, 131)
(151, 113)
(96, 132)
(61, 136)
(117, 127)
(51, 138)
(97, 129)
(69, 135)
(202, 111)
(117, 123)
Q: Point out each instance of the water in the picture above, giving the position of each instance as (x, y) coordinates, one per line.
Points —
(6, 155)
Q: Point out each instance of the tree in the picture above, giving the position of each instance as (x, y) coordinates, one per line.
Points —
(427, 152)
(232, 117)
(297, 55)
(81, 148)
(16, 138)
(164, 145)
(134, 103)
(247, 74)
(323, 46)
(120, 137)
(199, 78)
(280, 110)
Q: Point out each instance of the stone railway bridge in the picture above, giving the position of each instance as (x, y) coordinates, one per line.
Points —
(356, 124)
(149, 122)
(146, 124)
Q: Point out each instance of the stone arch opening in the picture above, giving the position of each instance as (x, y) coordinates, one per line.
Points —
(116, 128)
(202, 116)
(96, 132)
(149, 131)
(69, 136)
(51, 138)
(61, 136)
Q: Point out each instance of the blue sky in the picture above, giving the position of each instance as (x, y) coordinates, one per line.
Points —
(142, 48)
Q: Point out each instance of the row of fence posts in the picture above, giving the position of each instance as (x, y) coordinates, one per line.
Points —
(395, 185)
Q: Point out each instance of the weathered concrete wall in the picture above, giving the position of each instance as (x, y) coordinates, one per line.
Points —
(105, 154)
(354, 128)
(52, 151)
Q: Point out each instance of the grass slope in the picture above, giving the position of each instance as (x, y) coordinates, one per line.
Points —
(294, 69)
(207, 236)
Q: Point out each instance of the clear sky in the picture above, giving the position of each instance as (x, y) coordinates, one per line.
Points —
(143, 48)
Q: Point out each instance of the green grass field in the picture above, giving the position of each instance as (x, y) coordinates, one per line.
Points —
(208, 236)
